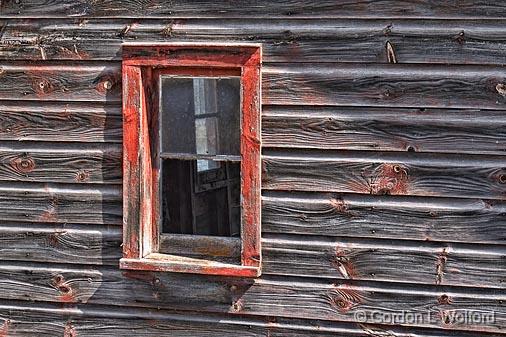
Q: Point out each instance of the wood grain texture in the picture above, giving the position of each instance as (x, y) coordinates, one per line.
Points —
(47, 320)
(257, 8)
(60, 162)
(415, 218)
(60, 122)
(284, 40)
(340, 126)
(60, 82)
(341, 301)
(270, 296)
(385, 129)
(392, 261)
(373, 260)
(84, 244)
(390, 85)
(109, 285)
(386, 173)
(60, 203)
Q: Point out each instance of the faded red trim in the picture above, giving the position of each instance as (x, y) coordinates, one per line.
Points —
(142, 65)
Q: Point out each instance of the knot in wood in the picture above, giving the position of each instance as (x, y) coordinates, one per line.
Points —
(339, 205)
(107, 85)
(501, 89)
(460, 38)
(387, 30)
(82, 176)
(157, 282)
(389, 179)
(344, 299)
(237, 306)
(167, 31)
(52, 239)
(445, 317)
(502, 178)
(58, 279)
(23, 164)
(60, 284)
(42, 86)
(444, 299)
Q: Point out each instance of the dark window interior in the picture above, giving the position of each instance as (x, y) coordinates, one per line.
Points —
(200, 155)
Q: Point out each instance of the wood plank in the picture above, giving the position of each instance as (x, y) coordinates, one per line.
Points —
(393, 85)
(257, 8)
(44, 319)
(430, 130)
(293, 40)
(389, 85)
(60, 122)
(470, 176)
(370, 260)
(270, 296)
(385, 129)
(84, 244)
(348, 302)
(112, 286)
(60, 82)
(204, 247)
(391, 261)
(60, 162)
(395, 217)
(59, 203)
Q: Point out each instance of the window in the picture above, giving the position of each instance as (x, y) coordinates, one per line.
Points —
(191, 144)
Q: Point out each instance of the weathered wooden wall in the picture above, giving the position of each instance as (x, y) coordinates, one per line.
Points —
(384, 184)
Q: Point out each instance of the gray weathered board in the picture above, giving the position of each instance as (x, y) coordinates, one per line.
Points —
(384, 185)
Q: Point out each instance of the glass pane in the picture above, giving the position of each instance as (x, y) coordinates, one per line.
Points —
(200, 115)
(201, 202)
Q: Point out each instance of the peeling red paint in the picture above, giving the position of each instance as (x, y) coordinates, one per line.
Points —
(69, 331)
(4, 329)
(140, 197)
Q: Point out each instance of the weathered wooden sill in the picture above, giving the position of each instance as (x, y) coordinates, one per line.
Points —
(180, 264)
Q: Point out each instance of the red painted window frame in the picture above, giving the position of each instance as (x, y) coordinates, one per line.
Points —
(140, 175)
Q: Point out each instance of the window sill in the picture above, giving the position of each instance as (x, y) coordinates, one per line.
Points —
(174, 263)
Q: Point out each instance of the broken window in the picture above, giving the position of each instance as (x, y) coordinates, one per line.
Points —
(192, 158)
(200, 158)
